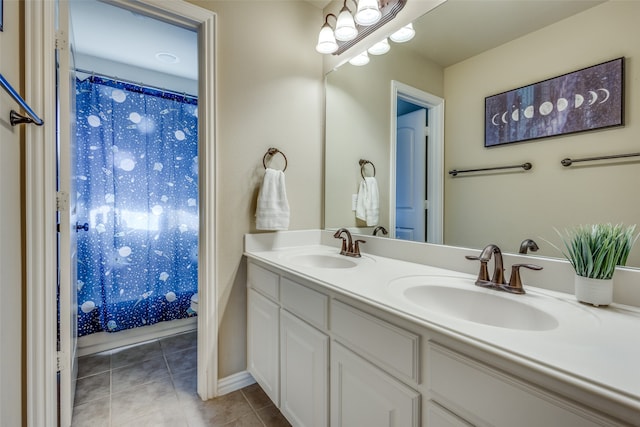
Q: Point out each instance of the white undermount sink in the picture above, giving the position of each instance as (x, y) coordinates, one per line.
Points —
(322, 261)
(444, 295)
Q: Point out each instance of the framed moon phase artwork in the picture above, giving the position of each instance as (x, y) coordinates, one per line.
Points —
(587, 99)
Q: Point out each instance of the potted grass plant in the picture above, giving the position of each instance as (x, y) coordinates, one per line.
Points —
(594, 251)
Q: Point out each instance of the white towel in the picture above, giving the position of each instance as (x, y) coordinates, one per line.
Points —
(368, 203)
(272, 212)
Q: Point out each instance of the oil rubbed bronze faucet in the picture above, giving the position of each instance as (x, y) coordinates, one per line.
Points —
(381, 229)
(528, 244)
(349, 247)
(497, 280)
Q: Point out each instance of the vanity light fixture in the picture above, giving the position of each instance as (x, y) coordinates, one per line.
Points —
(360, 59)
(345, 26)
(350, 28)
(326, 39)
(404, 34)
(380, 48)
(368, 12)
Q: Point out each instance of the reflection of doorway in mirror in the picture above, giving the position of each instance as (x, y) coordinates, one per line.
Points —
(411, 172)
(417, 153)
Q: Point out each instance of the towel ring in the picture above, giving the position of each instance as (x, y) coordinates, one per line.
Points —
(362, 163)
(272, 152)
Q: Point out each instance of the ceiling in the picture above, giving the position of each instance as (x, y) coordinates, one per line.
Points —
(320, 4)
(459, 29)
(116, 34)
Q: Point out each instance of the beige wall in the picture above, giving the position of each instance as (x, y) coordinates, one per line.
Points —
(11, 279)
(358, 126)
(506, 208)
(270, 94)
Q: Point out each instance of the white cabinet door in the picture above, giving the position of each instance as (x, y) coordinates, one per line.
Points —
(263, 359)
(304, 353)
(364, 395)
(437, 416)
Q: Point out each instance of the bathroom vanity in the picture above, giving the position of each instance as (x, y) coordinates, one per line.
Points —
(376, 341)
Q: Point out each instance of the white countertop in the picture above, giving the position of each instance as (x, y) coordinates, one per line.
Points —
(597, 349)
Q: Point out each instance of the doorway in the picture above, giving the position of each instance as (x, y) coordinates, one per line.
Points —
(417, 163)
(412, 199)
(40, 188)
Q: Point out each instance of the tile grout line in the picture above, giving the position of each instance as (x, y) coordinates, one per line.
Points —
(180, 403)
(110, 389)
(253, 408)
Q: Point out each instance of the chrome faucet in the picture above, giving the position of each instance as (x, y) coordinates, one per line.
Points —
(349, 247)
(497, 280)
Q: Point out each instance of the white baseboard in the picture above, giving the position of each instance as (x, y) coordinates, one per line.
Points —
(234, 382)
(103, 341)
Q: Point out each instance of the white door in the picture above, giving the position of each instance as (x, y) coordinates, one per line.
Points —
(411, 176)
(67, 242)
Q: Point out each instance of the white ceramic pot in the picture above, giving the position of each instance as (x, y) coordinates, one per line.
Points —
(594, 291)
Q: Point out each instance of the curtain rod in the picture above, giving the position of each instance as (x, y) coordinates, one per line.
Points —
(146, 86)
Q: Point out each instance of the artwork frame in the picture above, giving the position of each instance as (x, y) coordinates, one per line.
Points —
(587, 99)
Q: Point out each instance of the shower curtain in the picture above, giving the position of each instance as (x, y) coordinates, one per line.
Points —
(137, 188)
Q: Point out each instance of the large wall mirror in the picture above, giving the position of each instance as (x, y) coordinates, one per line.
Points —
(463, 52)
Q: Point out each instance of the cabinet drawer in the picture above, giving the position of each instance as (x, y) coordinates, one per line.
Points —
(486, 396)
(392, 348)
(263, 280)
(306, 303)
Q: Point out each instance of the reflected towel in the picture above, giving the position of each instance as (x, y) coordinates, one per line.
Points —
(272, 211)
(368, 203)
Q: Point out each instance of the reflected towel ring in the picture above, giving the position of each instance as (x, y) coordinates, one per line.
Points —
(272, 152)
(362, 163)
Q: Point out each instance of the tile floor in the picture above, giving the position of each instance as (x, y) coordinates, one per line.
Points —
(154, 385)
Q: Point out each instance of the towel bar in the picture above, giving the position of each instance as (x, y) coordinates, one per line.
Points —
(568, 162)
(526, 166)
(16, 118)
(272, 152)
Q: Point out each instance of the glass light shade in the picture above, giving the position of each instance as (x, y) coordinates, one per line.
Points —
(404, 34)
(326, 40)
(380, 48)
(368, 12)
(345, 27)
(359, 60)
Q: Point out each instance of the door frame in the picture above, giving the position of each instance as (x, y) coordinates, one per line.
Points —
(40, 198)
(435, 156)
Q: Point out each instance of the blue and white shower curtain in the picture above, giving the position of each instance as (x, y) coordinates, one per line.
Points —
(137, 187)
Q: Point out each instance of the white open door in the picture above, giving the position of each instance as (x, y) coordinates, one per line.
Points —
(41, 160)
(414, 166)
(67, 227)
(411, 176)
